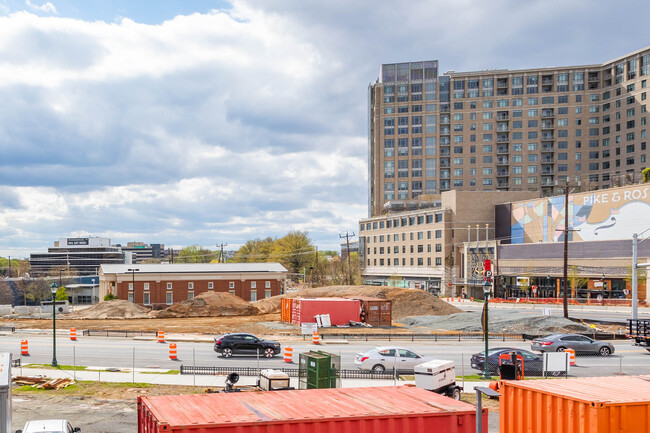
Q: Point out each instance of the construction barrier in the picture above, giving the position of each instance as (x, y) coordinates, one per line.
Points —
(315, 337)
(161, 336)
(572, 356)
(73, 334)
(172, 351)
(288, 354)
(24, 349)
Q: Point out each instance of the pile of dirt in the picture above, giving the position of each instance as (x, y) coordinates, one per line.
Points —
(209, 304)
(115, 309)
(405, 302)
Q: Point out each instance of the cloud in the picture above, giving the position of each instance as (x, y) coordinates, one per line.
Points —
(238, 123)
(47, 7)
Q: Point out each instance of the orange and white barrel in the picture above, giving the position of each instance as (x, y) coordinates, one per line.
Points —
(315, 337)
(288, 354)
(161, 336)
(24, 347)
(572, 356)
(73, 334)
(172, 351)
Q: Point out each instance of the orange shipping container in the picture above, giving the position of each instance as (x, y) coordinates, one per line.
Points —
(586, 405)
(342, 410)
(285, 310)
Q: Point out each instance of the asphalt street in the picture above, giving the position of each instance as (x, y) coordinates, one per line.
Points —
(126, 353)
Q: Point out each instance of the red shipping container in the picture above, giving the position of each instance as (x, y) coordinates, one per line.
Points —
(346, 410)
(341, 310)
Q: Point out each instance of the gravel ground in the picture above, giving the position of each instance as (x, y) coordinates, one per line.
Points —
(500, 321)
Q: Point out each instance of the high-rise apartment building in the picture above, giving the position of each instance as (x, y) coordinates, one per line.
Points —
(502, 130)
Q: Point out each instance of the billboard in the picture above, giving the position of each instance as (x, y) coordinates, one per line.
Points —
(609, 214)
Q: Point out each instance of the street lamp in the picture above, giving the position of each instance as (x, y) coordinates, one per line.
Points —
(133, 271)
(486, 296)
(54, 289)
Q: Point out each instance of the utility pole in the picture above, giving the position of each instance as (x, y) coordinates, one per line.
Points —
(565, 299)
(347, 237)
(10, 273)
(221, 258)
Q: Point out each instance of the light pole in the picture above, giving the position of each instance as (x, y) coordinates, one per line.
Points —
(486, 297)
(54, 288)
(133, 271)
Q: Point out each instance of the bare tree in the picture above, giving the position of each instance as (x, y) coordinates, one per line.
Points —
(6, 293)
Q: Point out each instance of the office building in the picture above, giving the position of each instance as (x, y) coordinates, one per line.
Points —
(505, 130)
(81, 256)
(142, 252)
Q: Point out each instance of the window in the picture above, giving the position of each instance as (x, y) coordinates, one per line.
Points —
(211, 283)
(231, 285)
(267, 293)
(169, 286)
(146, 286)
(438, 234)
(190, 295)
(146, 300)
(438, 261)
(130, 297)
(190, 286)
(169, 299)
(130, 286)
(253, 295)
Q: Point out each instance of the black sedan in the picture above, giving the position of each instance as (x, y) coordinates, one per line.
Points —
(245, 344)
(533, 363)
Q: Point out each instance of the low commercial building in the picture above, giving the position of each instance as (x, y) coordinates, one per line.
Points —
(423, 248)
(83, 256)
(142, 252)
(161, 285)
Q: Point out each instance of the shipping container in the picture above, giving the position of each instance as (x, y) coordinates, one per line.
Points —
(347, 410)
(285, 310)
(618, 404)
(341, 310)
(377, 311)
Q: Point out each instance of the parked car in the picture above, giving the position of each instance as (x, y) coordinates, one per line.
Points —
(579, 343)
(389, 358)
(245, 344)
(49, 426)
(533, 363)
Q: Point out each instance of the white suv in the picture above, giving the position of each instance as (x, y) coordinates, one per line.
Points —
(48, 426)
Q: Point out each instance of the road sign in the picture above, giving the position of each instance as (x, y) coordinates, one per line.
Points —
(488, 274)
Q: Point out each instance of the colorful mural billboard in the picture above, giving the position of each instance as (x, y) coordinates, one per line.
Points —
(608, 214)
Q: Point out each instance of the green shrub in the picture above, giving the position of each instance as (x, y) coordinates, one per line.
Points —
(110, 297)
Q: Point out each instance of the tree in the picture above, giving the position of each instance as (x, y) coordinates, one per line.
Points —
(255, 251)
(576, 281)
(38, 290)
(646, 174)
(195, 254)
(294, 251)
(6, 293)
(61, 294)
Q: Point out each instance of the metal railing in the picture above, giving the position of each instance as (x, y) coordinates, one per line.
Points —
(291, 372)
(7, 329)
(447, 336)
(116, 333)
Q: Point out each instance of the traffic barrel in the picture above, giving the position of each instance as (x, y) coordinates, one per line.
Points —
(572, 356)
(288, 354)
(24, 348)
(172, 351)
(315, 337)
(73, 334)
(161, 336)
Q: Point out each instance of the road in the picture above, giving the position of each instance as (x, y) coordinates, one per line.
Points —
(125, 353)
(580, 312)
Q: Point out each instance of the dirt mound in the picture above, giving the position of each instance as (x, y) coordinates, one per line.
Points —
(115, 309)
(406, 302)
(208, 304)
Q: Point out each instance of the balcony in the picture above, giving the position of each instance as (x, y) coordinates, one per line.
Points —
(547, 160)
(548, 125)
(444, 120)
(547, 81)
(547, 113)
(502, 127)
(444, 130)
(502, 160)
(503, 185)
(502, 82)
(444, 164)
(547, 136)
(548, 147)
(444, 175)
(548, 181)
(502, 173)
(503, 139)
(503, 115)
(445, 152)
(547, 171)
(502, 150)
(593, 76)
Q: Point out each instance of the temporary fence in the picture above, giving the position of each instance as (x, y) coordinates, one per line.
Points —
(442, 336)
(117, 333)
(291, 372)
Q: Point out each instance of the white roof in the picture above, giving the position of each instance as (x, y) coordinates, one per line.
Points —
(45, 425)
(193, 268)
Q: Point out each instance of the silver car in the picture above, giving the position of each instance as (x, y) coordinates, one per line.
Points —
(579, 343)
(389, 358)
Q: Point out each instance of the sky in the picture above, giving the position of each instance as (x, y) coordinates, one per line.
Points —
(199, 122)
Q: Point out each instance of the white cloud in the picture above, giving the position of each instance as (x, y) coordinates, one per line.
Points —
(47, 7)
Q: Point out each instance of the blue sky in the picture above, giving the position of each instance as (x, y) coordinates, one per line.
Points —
(201, 122)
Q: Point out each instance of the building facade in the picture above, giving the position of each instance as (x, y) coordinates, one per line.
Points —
(140, 251)
(83, 255)
(505, 130)
(161, 285)
(424, 247)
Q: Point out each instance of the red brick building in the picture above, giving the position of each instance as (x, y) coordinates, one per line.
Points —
(160, 285)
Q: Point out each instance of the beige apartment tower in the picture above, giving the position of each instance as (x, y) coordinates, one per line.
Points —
(502, 130)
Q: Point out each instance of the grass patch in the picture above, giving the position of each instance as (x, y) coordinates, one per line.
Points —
(160, 372)
(58, 367)
(110, 390)
(475, 378)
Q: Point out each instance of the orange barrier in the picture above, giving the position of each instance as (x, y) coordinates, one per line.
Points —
(572, 356)
(172, 351)
(24, 350)
(161, 336)
(315, 338)
(73, 334)
(288, 354)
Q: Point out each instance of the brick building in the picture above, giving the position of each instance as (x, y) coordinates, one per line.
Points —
(160, 285)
